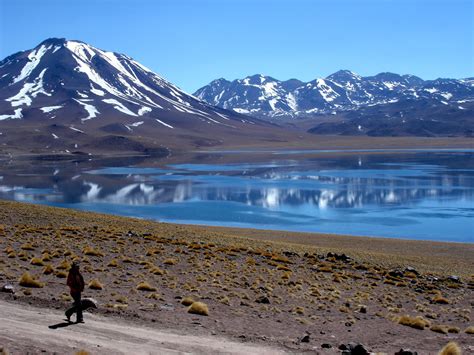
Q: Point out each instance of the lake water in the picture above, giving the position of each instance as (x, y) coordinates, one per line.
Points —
(403, 194)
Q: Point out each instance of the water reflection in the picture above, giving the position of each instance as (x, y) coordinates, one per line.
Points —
(360, 194)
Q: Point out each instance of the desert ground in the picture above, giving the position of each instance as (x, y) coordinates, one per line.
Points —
(294, 292)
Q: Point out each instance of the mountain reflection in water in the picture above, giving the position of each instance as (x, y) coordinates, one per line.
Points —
(360, 194)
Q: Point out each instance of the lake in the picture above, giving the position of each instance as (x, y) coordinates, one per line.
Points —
(404, 194)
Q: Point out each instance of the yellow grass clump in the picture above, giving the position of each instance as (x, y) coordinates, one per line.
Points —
(48, 269)
(145, 286)
(443, 329)
(170, 261)
(157, 271)
(469, 330)
(88, 250)
(26, 280)
(113, 263)
(61, 274)
(450, 349)
(27, 246)
(414, 322)
(440, 299)
(95, 285)
(82, 352)
(187, 301)
(64, 265)
(199, 308)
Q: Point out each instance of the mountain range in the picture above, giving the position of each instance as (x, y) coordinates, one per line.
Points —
(70, 95)
(383, 104)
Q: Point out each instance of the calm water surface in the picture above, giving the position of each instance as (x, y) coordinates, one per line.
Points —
(404, 194)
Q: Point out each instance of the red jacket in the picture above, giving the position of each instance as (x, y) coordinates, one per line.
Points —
(75, 281)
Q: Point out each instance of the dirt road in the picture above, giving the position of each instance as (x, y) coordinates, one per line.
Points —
(36, 330)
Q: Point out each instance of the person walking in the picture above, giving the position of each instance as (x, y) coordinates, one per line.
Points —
(75, 281)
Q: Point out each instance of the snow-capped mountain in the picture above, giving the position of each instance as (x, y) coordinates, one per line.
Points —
(75, 81)
(68, 83)
(266, 97)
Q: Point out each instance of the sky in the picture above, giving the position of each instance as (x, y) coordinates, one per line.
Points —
(193, 42)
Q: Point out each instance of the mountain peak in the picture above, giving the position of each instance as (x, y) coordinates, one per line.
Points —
(61, 78)
(344, 75)
(53, 41)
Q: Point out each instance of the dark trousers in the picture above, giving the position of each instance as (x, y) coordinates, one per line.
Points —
(77, 306)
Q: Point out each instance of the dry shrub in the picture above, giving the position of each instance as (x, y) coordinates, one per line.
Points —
(88, 250)
(450, 349)
(27, 246)
(283, 267)
(37, 262)
(48, 269)
(121, 299)
(440, 299)
(187, 301)
(199, 308)
(414, 322)
(26, 280)
(145, 286)
(157, 271)
(65, 265)
(113, 263)
(170, 261)
(469, 330)
(443, 329)
(61, 274)
(95, 285)
(453, 329)
(280, 258)
(66, 297)
(324, 268)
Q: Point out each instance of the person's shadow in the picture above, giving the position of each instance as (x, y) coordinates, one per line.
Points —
(61, 325)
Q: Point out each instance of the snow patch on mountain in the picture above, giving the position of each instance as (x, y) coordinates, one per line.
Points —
(119, 106)
(34, 59)
(47, 109)
(17, 114)
(163, 123)
(29, 91)
(91, 110)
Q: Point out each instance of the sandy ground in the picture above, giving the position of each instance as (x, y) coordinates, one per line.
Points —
(38, 330)
(263, 288)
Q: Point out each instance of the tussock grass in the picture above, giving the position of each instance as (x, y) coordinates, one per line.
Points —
(27, 246)
(439, 328)
(26, 280)
(170, 261)
(113, 263)
(440, 299)
(64, 265)
(157, 271)
(88, 250)
(61, 274)
(187, 301)
(145, 286)
(95, 284)
(417, 322)
(48, 269)
(469, 330)
(451, 349)
(199, 308)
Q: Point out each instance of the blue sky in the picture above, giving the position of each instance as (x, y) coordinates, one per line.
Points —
(193, 42)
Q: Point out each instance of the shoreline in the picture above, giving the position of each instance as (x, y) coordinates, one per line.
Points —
(385, 250)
